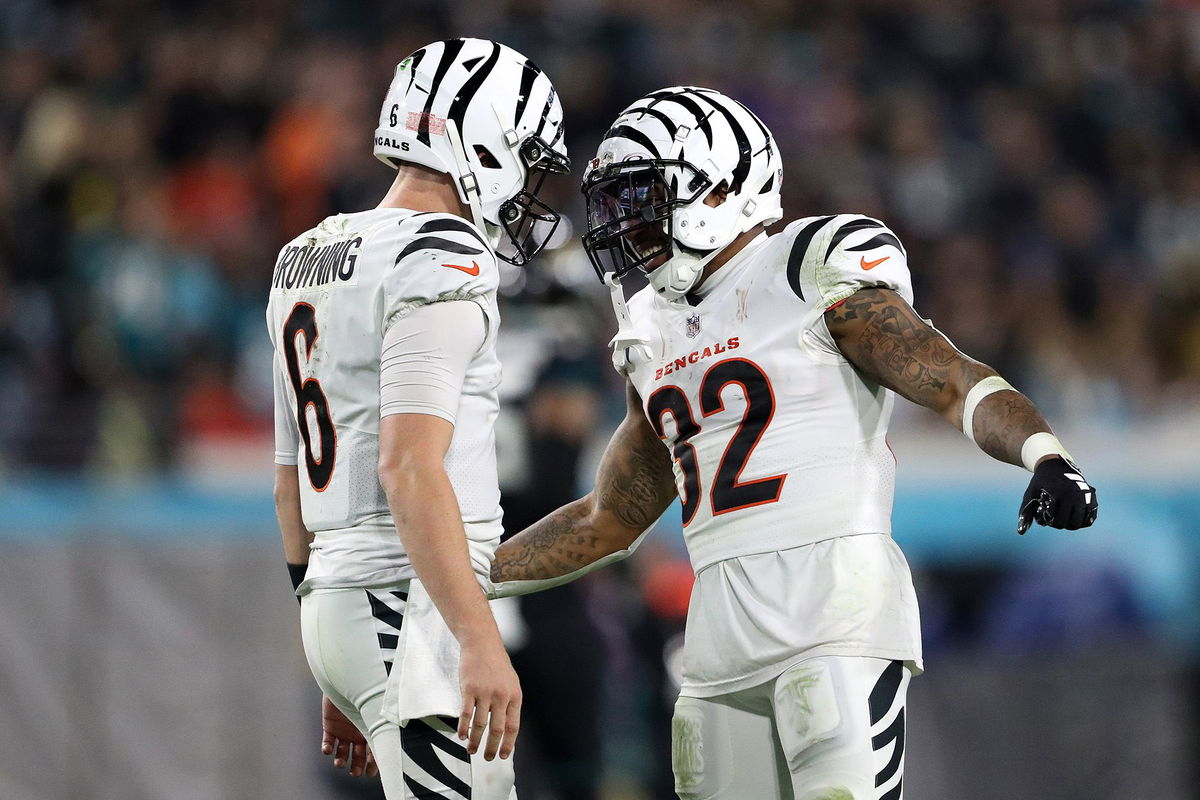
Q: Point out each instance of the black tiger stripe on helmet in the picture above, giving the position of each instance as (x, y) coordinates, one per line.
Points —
(667, 122)
(450, 51)
(696, 140)
(680, 97)
(457, 104)
(529, 74)
(743, 142)
(466, 94)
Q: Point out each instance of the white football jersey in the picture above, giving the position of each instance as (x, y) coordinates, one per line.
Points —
(778, 443)
(777, 440)
(335, 292)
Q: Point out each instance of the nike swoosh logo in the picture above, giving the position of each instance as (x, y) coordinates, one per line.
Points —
(471, 270)
(862, 262)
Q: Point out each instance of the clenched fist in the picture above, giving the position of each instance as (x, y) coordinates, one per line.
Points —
(1058, 496)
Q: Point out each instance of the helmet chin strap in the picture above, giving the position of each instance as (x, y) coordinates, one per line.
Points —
(683, 258)
(467, 184)
(687, 258)
(629, 349)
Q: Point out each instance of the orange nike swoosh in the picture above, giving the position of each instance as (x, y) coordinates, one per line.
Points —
(862, 262)
(471, 270)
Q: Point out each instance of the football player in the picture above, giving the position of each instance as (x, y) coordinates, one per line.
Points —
(384, 331)
(761, 376)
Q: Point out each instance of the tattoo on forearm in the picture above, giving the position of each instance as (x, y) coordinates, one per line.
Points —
(635, 484)
(1007, 419)
(885, 339)
(556, 545)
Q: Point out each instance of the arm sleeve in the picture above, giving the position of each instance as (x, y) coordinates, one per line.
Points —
(515, 588)
(287, 437)
(425, 356)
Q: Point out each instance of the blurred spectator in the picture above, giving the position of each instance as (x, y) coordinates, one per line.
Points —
(562, 662)
(1041, 164)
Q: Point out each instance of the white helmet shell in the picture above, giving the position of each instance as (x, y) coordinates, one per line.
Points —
(720, 140)
(452, 102)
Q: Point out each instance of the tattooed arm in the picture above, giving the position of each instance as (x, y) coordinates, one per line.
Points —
(881, 335)
(634, 486)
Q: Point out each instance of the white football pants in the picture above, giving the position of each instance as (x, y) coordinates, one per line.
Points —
(828, 728)
(350, 638)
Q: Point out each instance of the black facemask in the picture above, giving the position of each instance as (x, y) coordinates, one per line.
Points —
(630, 212)
(526, 221)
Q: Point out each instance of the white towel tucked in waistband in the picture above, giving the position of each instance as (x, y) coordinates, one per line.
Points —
(424, 677)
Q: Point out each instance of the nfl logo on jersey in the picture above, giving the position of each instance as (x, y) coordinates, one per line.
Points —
(693, 326)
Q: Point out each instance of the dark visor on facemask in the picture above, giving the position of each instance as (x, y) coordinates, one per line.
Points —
(630, 212)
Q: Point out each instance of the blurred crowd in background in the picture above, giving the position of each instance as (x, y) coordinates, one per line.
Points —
(1040, 159)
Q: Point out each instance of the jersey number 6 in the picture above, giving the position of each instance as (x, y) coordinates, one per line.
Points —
(303, 319)
(728, 493)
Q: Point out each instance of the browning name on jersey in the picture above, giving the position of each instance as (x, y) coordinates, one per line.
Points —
(305, 265)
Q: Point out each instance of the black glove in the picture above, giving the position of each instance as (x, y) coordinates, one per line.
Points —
(1058, 496)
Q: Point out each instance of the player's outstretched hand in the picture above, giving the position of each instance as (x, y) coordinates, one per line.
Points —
(1058, 496)
(342, 740)
(491, 697)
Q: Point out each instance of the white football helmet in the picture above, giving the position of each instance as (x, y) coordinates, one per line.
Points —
(487, 116)
(646, 187)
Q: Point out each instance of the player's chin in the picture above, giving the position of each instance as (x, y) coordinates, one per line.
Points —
(656, 262)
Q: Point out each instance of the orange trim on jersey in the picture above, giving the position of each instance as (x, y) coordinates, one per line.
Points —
(656, 424)
(838, 303)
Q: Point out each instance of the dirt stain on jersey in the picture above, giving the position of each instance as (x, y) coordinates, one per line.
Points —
(837, 793)
(743, 295)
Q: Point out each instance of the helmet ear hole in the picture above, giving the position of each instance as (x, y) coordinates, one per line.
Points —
(486, 159)
(718, 195)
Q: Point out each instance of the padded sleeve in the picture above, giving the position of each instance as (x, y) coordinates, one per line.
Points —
(857, 252)
(833, 257)
(438, 257)
(425, 357)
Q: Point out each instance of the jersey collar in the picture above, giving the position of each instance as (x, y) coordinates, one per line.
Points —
(727, 274)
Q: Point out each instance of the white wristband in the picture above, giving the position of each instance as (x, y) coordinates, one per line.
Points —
(1039, 445)
(987, 386)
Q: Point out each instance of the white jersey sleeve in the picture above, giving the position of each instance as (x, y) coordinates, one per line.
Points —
(287, 437)
(847, 252)
(439, 257)
(426, 354)
(841, 254)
